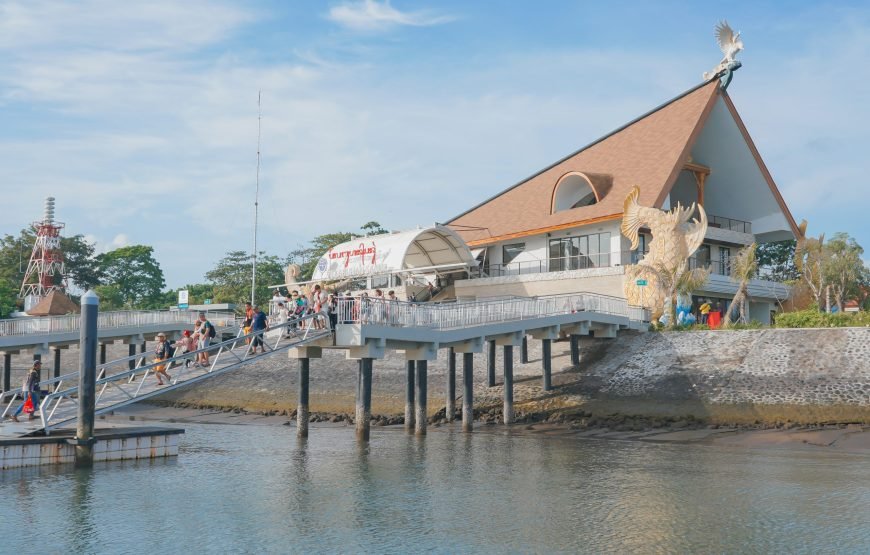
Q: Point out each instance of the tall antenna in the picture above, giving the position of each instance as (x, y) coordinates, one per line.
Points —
(256, 204)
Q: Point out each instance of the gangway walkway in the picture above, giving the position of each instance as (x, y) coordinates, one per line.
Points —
(117, 385)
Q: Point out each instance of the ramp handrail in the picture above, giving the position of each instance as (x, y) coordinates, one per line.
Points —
(279, 337)
(369, 310)
(106, 320)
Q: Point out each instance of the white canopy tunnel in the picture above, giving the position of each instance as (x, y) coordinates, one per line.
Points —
(435, 249)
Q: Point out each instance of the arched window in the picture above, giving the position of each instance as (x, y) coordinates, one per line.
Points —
(573, 190)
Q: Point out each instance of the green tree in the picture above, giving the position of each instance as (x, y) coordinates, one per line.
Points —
(744, 266)
(843, 268)
(231, 277)
(135, 273)
(81, 268)
(8, 299)
(373, 228)
(110, 297)
(776, 261)
(197, 293)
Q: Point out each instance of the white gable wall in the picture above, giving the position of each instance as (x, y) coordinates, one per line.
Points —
(736, 188)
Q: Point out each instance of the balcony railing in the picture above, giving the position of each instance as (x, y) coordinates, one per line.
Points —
(729, 223)
(578, 262)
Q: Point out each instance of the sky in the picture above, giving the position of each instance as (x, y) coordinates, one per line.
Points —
(141, 118)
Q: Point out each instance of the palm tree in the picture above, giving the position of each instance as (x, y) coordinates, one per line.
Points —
(673, 282)
(743, 268)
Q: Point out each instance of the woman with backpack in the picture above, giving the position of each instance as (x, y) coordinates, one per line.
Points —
(162, 352)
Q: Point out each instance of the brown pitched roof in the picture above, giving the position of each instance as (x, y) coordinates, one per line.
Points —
(648, 152)
(54, 304)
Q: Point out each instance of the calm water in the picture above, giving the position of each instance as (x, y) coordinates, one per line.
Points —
(257, 490)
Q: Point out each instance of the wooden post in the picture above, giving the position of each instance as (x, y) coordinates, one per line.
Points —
(508, 411)
(409, 396)
(421, 383)
(450, 405)
(524, 351)
(364, 400)
(547, 363)
(7, 371)
(131, 351)
(302, 399)
(575, 350)
(57, 363)
(102, 353)
(467, 392)
(490, 368)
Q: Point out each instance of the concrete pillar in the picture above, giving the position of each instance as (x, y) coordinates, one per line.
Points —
(302, 399)
(547, 363)
(420, 390)
(450, 406)
(7, 371)
(56, 363)
(102, 353)
(409, 396)
(575, 350)
(364, 400)
(84, 454)
(524, 351)
(131, 351)
(508, 411)
(490, 365)
(467, 392)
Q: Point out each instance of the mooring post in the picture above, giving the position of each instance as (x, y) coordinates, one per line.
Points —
(490, 365)
(409, 396)
(102, 353)
(7, 371)
(524, 351)
(364, 400)
(302, 399)
(421, 382)
(131, 351)
(450, 406)
(508, 411)
(547, 363)
(575, 350)
(57, 363)
(467, 392)
(84, 440)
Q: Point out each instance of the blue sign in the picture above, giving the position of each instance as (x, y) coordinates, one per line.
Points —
(183, 305)
(641, 282)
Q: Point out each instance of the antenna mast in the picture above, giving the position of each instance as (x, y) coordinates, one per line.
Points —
(256, 204)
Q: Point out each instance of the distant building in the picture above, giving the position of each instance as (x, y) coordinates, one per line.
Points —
(558, 230)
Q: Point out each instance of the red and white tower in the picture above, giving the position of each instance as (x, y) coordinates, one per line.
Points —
(45, 270)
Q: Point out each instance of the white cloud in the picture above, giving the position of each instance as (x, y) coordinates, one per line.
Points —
(371, 15)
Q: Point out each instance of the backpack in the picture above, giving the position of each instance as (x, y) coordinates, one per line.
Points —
(211, 331)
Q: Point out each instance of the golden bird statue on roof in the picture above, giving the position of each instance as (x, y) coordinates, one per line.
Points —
(730, 43)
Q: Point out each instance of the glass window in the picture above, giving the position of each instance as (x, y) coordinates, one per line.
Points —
(380, 282)
(509, 252)
(604, 249)
(556, 255)
(585, 251)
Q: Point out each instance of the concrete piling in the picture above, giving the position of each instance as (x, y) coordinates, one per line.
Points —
(524, 351)
(450, 405)
(7, 371)
(547, 363)
(467, 392)
(131, 351)
(102, 353)
(409, 396)
(575, 350)
(421, 386)
(302, 399)
(84, 440)
(508, 411)
(364, 400)
(490, 365)
(56, 363)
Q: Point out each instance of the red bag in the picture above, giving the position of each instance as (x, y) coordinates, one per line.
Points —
(28, 405)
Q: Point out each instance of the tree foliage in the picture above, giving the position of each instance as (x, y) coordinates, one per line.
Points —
(843, 268)
(743, 268)
(776, 261)
(8, 299)
(81, 268)
(135, 275)
(231, 277)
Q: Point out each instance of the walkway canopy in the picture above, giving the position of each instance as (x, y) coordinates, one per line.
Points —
(429, 250)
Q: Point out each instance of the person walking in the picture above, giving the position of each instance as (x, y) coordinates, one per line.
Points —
(704, 309)
(206, 332)
(30, 390)
(163, 351)
(259, 324)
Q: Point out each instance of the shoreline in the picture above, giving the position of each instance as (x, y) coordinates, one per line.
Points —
(834, 438)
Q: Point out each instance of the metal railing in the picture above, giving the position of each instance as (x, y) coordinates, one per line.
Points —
(561, 264)
(107, 320)
(464, 314)
(117, 385)
(729, 223)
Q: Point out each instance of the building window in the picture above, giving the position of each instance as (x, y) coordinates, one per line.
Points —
(725, 261)
(577, 253)
(573, 191)
(509, 252)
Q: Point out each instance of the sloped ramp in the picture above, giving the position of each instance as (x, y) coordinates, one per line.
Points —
(118, 386)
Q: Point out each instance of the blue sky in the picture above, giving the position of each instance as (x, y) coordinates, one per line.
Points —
(142, 119)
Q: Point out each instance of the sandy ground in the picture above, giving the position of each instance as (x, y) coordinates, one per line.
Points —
(852, 438)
